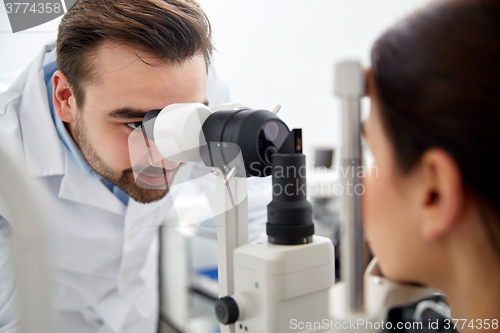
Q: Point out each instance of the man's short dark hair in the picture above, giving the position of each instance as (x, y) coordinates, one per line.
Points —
(170, 30)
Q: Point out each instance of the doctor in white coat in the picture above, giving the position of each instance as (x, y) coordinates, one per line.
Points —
(103, 238)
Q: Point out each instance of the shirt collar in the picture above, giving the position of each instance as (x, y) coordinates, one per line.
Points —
(49, 67)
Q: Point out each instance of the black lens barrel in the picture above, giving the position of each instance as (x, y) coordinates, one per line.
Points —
(226, 134)
(290, 214)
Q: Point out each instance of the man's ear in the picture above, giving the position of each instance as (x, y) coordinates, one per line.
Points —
(64, 101)
(442, 195)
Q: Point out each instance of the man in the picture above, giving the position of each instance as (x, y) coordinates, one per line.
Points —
(69, 122)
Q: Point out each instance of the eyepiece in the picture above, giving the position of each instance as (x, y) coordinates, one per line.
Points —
(255, 134)
(148, 123)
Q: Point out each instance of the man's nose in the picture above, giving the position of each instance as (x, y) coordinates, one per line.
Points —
(157, 159)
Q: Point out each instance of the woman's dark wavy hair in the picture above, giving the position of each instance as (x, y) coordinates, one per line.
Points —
(437, 74)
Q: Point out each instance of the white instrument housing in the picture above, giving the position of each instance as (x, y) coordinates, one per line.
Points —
(177, 131)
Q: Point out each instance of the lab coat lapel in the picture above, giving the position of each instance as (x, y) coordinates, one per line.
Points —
(43, 150)
(87, 189)
(136, 213)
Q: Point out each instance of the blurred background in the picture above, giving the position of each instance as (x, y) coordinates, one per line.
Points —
(268, 52)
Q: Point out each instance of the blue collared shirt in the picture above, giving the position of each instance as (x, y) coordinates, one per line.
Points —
(49, 67)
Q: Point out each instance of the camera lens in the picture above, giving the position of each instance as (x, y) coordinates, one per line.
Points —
(272, 135)
(271, 131)
(268, 152)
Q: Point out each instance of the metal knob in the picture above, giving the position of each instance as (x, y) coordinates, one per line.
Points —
(226, 310)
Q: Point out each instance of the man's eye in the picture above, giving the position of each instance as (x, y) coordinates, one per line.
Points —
(134, 125)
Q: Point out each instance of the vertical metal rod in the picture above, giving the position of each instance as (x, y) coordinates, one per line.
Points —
(232, 230)
(349, 86)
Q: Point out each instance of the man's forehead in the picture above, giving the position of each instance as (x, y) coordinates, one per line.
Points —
(126, 79)
(113, 56)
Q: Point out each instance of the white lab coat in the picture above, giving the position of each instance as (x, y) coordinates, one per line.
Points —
(104, 254)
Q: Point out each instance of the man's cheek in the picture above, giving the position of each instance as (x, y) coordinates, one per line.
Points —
(112, 148)
(141, 151)
(120, 156)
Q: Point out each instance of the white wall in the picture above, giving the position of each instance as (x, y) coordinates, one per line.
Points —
(17, 50)
(283, 52)
(269, 52)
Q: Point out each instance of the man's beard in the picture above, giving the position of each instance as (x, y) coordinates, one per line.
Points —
(124, 179)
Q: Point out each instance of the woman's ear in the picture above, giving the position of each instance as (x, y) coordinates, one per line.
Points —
(64, 101)
(442, 195)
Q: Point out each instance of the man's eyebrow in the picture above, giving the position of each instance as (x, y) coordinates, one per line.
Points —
(127, 113)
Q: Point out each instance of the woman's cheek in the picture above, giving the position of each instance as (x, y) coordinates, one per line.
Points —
(369, 205)
(377, 217)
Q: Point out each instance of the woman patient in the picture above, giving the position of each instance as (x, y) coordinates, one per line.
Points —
(432, 214)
